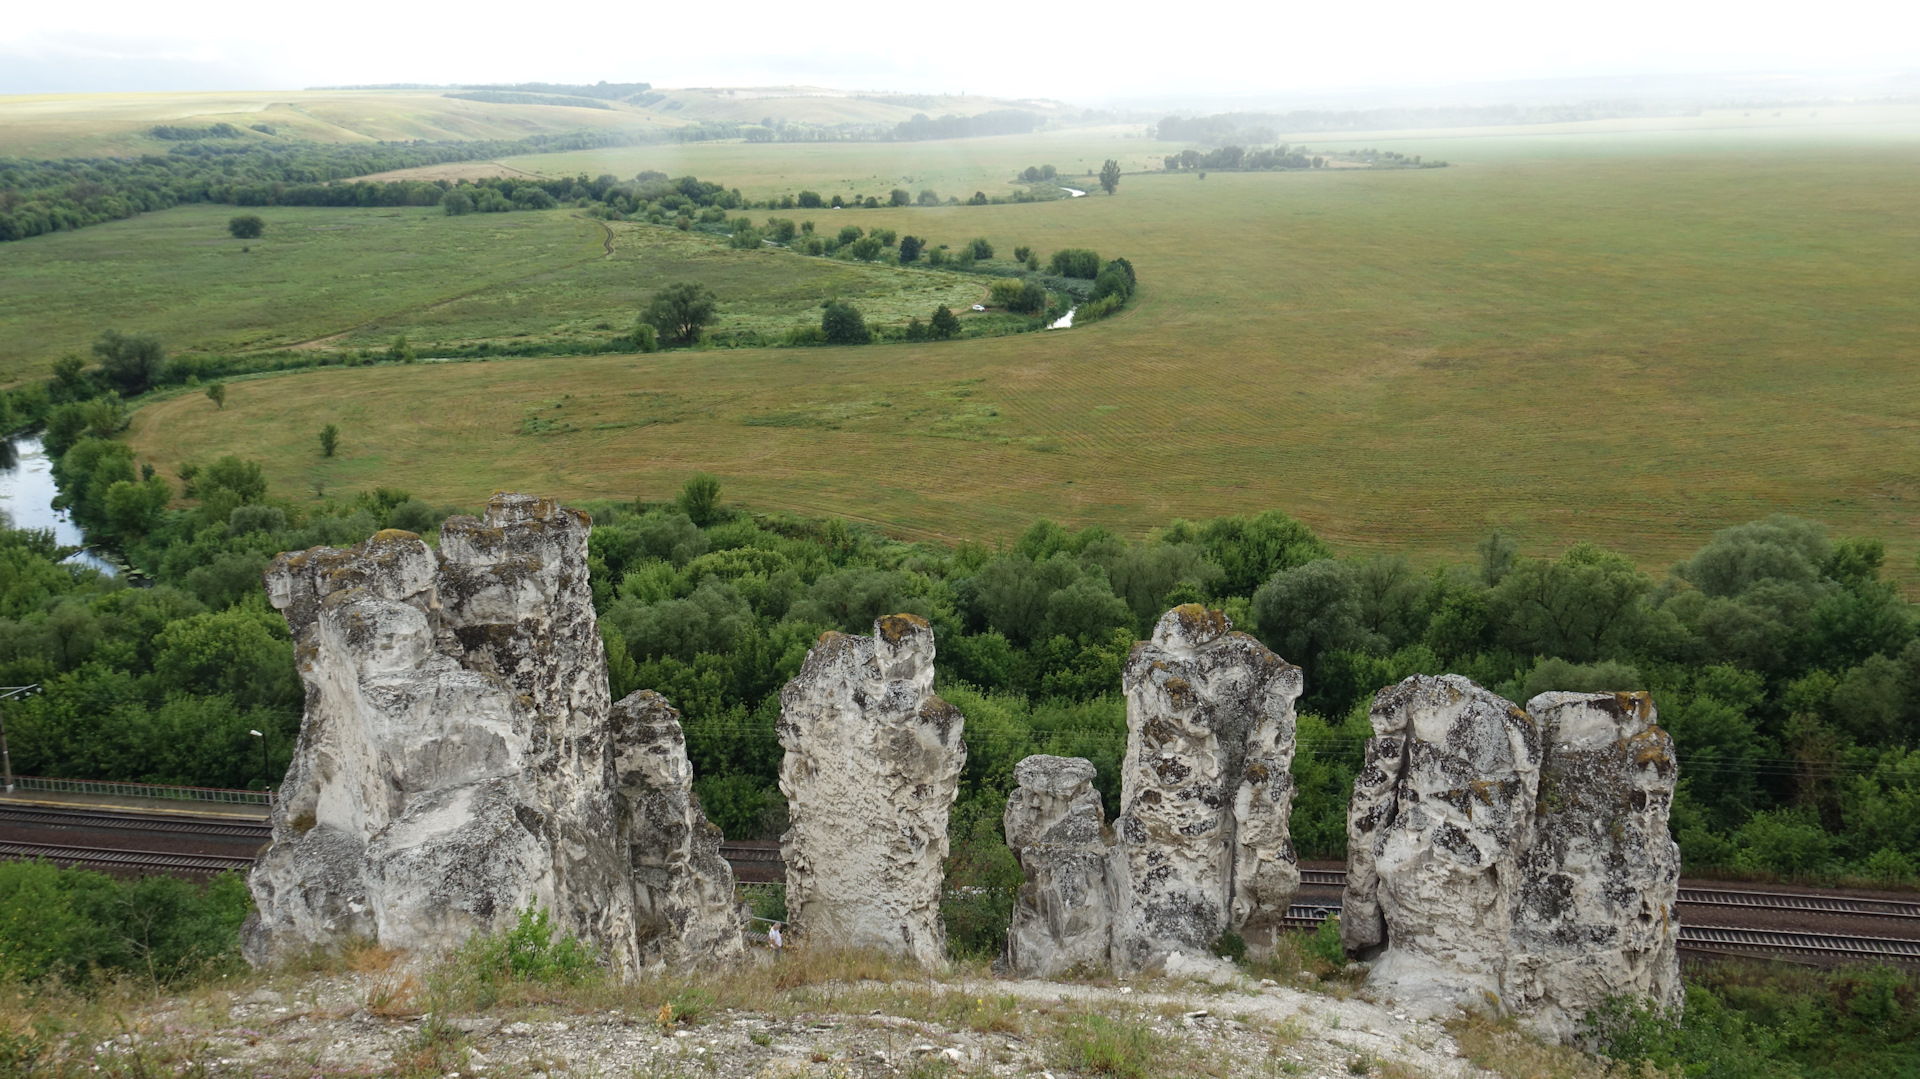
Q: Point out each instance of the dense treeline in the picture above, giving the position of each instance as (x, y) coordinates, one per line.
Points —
(997, 122)
(1231, 157)
(48, 196)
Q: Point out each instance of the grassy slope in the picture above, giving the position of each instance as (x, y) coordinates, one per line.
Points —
(357, 277)
(1629, 350)
(957, 167)
(97, 125)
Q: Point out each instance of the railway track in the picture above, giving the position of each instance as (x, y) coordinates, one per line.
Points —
(134, 822)
(1716, 938)
(107, 858)
(1790, 902)
(765, 859)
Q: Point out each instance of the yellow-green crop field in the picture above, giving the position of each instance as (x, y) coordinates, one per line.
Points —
(1633, 348)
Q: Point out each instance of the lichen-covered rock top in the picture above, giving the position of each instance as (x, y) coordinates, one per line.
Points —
(872, 767)
(1596, 914)
(1206, 790)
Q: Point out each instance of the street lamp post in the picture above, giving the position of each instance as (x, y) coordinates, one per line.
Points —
(9, 693)
(266, 768)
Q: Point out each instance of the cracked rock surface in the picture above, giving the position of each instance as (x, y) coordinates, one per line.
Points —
(683, 888)
(1206, 790)
(872, 767)
(1595, 916)
(455, 762)
(1515, 858)
(1063, 917)
(1441, 813)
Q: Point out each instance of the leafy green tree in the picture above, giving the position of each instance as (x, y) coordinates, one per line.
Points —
(981, 248)
(1306, 612)
(700, 499)
(808, 200)
(130, 362)
(944, 324)
(329, 439)
(217, 393)
(979, 199)
(781, 229)
(928, 198)
(1582, 607)
(246, 227)
(899, 197)
(645, 337)
(681, 311)
(1110, 176)
(1022, 253)
(866, 248)
(133, 508)
(850, 233)
(910, 248)
(400, 351)
(843, 325)
(1076, 262)
(457, 203)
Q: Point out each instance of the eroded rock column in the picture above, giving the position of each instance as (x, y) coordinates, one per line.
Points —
(452, 764)
(1441, 816)
(871, 772)
(683, 889)
(1595, 915)
(1206, 790)
(1063, 917)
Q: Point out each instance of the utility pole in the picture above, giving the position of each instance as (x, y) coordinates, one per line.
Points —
(10, 693)
(266, 768)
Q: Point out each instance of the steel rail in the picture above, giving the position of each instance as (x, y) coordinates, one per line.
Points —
(138, 822)
(1715, 938)
(1798, 902)
(123, 859)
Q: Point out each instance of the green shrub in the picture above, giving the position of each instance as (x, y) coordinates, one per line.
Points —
(842, 324)
(1324, 944)
(1076, 262)
(79, 925)
(1096, 1045)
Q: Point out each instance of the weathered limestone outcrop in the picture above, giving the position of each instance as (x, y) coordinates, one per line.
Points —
(871, 771)
(1518, 859)
(455, 762)
(1441, 814)
(683, 888)
(1063, 917)
(1206, 790)
(1595, 914)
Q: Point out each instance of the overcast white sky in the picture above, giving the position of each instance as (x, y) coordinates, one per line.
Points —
(1077, 52)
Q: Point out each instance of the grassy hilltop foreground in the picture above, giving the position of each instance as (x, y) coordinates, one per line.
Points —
(1636, 347)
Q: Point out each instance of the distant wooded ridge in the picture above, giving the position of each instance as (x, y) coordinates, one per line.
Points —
(610, 91)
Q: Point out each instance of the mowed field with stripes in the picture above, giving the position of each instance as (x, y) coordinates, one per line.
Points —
(1635, 349)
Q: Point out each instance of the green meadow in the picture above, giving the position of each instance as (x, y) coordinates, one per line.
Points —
(1632, 347)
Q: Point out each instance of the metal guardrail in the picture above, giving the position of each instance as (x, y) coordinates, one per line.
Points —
(114, 789)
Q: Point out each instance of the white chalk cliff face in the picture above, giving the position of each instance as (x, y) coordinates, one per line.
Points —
(1595, 916)
(1206, 790)
(1063, 917)
(1514, 859)
(455, 762)
(871, 771)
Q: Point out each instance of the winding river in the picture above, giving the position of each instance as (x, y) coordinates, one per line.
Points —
(27, 492)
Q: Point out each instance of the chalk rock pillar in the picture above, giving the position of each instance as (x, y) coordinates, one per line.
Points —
(1440, 819)
(1206, 790)
(683, 889)
(871, 771)
(1595, 914)
(453, 764)
(1063, 917)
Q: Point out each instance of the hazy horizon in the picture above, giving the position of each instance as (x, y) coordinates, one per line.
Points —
(1397, 52)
